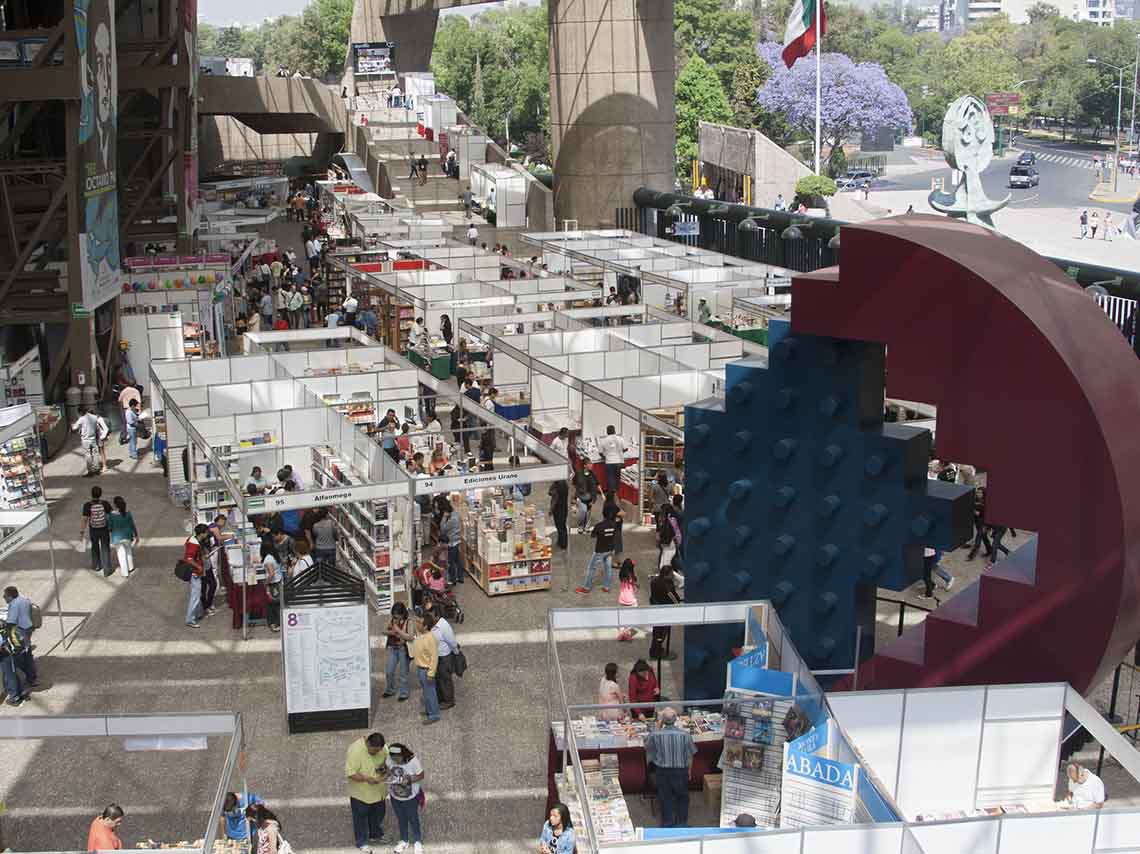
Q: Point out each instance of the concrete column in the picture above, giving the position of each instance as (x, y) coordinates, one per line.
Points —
(413, 32)
(611, 104)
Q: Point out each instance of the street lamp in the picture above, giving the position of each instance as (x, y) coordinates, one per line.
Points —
(1132, 131)
(1092, 60)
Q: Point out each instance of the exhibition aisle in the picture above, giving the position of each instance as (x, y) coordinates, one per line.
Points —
(485, 762)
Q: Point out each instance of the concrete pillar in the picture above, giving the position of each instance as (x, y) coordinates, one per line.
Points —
(413, 32)
(611, 104)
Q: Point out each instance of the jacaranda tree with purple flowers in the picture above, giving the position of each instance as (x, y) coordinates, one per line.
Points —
(856, 97)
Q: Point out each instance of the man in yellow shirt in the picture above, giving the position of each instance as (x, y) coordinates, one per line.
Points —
(364, 768)
(425, 655)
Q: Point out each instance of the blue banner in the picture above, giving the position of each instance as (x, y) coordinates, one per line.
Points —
(826, 772)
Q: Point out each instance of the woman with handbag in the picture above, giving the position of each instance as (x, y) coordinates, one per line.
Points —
(269, 833)
(404, 775)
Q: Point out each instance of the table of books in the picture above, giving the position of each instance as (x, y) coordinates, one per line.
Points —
(625, 740)
(608, 809)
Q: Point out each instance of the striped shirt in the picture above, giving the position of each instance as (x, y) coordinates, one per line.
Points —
(669, 747)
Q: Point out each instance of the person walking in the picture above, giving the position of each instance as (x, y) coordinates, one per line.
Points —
(425, 653)
(1109, 228)
(472, 234)
(396, 664)
(405, 774)
(365, 767)
(194, 553)
(1084, 220)
(132, 422)
(604, 533)
(295, 302)
(586, 491)
(18, 629)
(446, 647)
(450, 531)
(87, 426)
(559, 510)
(124, 536)
(612, 447)
(671, 751)
(322, 538)
(95, 528)
(1094, 223)
(467, 199)
(128, 394)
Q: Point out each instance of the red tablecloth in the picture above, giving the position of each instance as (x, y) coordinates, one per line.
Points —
(632, 772)
(625, 491)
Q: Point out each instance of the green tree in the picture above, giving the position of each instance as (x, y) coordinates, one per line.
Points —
(325, 26)
(699, 98)
(722, 36)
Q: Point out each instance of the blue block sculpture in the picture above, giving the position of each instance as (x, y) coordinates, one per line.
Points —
(797, 492)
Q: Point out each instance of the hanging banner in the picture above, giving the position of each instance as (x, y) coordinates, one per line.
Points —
(98, 129)
(816, 790)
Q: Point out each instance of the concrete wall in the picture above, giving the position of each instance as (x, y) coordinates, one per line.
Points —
(611, 104)
(749, 152)
(223, 138)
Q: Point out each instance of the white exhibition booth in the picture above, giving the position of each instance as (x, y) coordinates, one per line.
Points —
(20, 525)
(986, 755)
(502, 190)
(665, 269)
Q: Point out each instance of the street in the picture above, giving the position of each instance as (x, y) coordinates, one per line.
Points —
(1066, 178)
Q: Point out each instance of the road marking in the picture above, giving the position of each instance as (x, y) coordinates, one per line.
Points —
(1034, 197)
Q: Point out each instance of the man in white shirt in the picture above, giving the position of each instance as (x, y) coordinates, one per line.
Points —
(349, 308)
(446, 645)
(560, 445)
(91, 433)
(612, 448)
(1086, 790)
(472, 234)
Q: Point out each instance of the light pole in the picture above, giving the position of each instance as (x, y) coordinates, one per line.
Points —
(1092, 60)
(1132, 131)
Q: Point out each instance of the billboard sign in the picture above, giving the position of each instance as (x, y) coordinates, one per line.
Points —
(1003, 103)
(98, 129)
(373, 57)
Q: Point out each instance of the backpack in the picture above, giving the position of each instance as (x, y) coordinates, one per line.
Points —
(37, 616)
(97, 514)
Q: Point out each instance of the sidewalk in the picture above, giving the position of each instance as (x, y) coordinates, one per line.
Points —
(1128, 188)
(1049, 231)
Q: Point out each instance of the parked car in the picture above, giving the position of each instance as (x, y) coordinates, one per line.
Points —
(854, 179)
(1023, 176)
(1027, 158)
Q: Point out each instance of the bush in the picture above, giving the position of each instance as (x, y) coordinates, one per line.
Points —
(813, 191)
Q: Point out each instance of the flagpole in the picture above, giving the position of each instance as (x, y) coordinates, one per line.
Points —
(818, 51)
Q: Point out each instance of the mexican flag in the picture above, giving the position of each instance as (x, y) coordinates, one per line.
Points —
(799, 35)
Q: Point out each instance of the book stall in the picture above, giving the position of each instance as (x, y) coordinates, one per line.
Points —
(938, 771)
(174, 306)
(188, 794)
(589, 379)
(23, 380)
(23, 505)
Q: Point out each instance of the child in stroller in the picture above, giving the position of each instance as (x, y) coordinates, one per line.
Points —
(434, 586)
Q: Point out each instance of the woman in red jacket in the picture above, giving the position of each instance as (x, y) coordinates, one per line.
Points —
(643, 688)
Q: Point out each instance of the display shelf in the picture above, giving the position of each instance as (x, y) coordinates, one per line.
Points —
(366, 540)
(505, 545)
(22, 380)
(609, 812)
(21, 484)
(661, 453)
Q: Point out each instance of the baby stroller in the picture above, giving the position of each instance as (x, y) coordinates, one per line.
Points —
(444, 600)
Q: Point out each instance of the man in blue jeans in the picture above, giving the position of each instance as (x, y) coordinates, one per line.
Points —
(133, 430)
(604, 534)
(449, 529)
(18, 647)
(364, 768)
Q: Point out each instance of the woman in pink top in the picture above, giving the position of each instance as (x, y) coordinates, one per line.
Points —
(609, 694)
